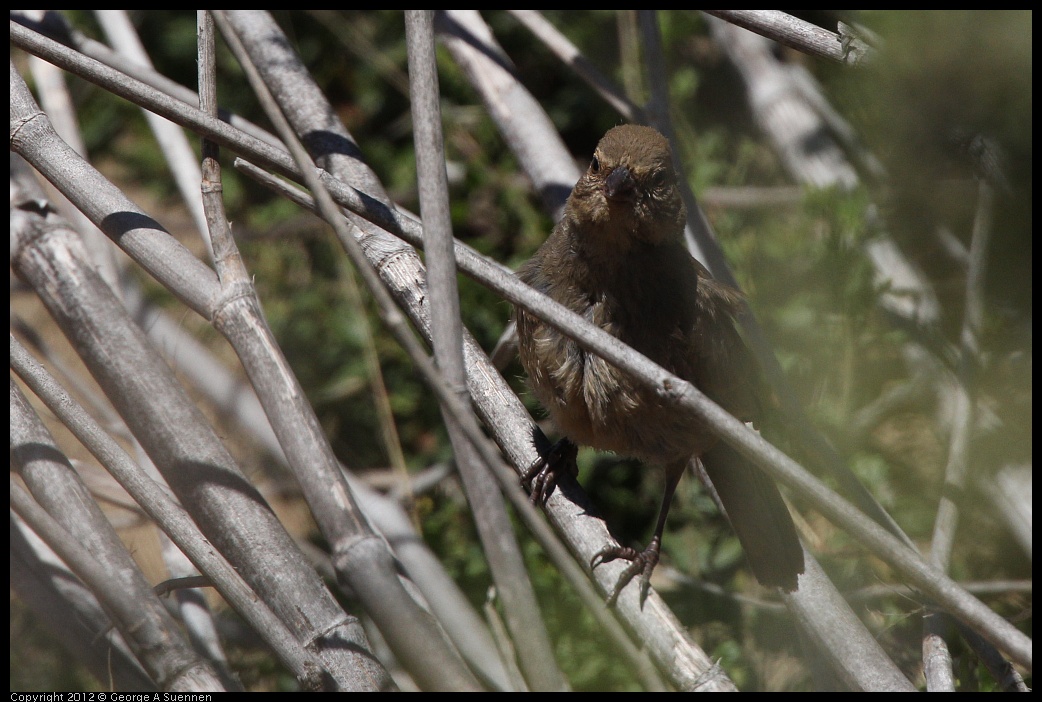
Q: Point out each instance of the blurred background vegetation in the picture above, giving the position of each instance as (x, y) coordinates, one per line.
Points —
(801, 263)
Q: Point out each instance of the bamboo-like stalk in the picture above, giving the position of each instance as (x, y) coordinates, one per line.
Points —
(183, 446)
(802, 36)
(362, 561)
(171, 518)
(520, 608)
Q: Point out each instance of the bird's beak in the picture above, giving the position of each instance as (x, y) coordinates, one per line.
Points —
(619, 185)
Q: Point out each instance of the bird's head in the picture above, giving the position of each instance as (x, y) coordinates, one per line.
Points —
(629, 193)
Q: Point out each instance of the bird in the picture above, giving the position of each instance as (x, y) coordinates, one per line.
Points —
(617, 257)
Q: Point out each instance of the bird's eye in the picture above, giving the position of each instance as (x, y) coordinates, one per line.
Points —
(658, 178)
(595, 165)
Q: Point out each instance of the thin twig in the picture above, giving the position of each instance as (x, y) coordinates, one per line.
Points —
(797, 34)
(969, 358)
(521, 610)
(570, 55)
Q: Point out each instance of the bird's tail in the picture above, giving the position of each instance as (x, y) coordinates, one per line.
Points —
(758, 515)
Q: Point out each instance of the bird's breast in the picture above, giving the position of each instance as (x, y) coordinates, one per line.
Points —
(593, 402)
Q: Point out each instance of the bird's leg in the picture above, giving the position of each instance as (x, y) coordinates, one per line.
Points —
(544, 471)
(642, 562)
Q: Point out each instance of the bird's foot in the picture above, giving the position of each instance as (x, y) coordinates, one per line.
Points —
(642, 562)
(543, 473)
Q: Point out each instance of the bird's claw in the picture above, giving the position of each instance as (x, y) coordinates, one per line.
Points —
(642, 562)
(544, 471)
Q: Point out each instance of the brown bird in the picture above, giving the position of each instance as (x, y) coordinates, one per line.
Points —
(618, 258)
